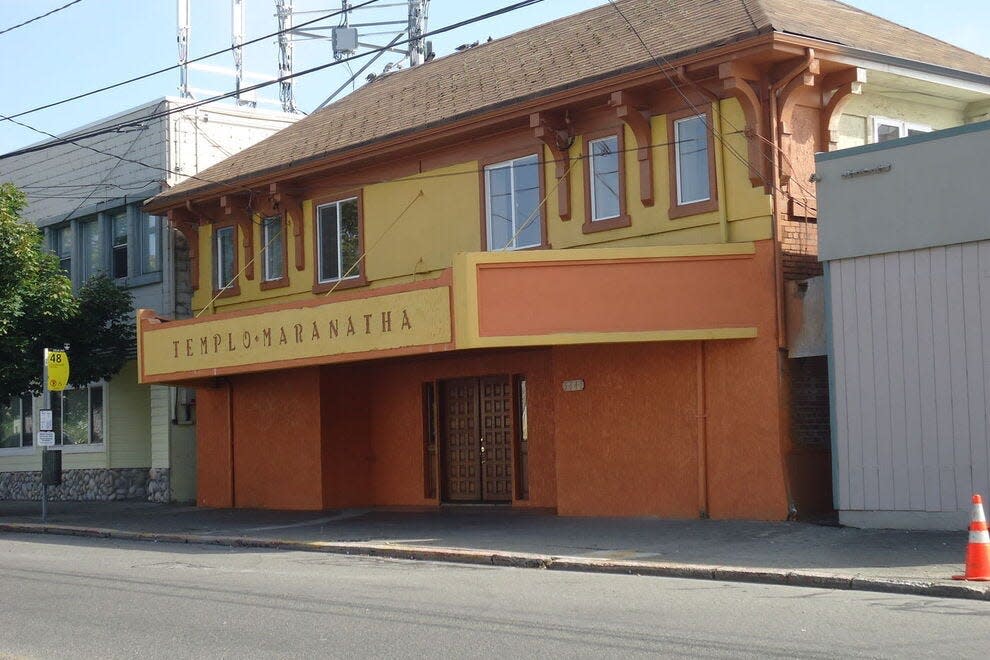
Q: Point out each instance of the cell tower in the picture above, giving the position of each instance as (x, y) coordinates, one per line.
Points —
(349, 38)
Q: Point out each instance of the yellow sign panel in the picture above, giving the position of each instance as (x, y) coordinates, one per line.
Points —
(58, 370)
(414, 318)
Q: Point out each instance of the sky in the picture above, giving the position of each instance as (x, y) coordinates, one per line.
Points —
(94, 43)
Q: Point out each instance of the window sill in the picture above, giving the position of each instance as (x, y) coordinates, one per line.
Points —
(81, 449)
(283, 281)
(592, 226)
(234, 290)
(17, 451)
(143, 280)
(695, 208)
(340, 285)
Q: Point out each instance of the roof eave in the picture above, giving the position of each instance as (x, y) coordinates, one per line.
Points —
(842, 54)
(520, 106)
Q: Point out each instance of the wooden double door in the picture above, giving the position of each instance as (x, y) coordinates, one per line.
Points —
(477, 426)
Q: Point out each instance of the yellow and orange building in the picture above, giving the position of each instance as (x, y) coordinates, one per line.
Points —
(546, 272)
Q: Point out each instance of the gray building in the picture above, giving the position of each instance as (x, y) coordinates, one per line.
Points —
(120, 439)
(904, 231)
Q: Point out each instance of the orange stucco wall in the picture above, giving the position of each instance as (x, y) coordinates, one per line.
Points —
(614, 296)
(214, 487)
(346, 453)
(277, 443)
(628, 444)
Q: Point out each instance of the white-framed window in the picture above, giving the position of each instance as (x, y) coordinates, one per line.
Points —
(226, 256)
(78, 415)
(92, 248)
(338, 235)
(151, 244)
(273, 249)
(886, 129)
(118, 249)
(62, 247)
(605, 184)
(17, 423)
(691, 160)
(512, 194)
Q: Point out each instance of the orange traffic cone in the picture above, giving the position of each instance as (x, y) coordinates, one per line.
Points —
(978, 550)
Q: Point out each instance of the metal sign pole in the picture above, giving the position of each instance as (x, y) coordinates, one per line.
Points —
(45, 403)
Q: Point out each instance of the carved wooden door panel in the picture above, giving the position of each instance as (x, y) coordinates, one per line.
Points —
(496, 438)
(461, 455)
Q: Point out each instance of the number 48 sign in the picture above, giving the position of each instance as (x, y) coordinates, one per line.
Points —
(57, 363)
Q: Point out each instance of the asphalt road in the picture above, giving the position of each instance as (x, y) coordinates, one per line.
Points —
(70, 597)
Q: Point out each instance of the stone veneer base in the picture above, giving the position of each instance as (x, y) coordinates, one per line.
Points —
(90, 485)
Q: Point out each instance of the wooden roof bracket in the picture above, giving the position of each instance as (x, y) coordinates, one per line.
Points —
(838, 89)
(803, 75)
(289, 203)
(187, 224)
(627, 108)
(737, 81)
(556, 133)
(240, 208)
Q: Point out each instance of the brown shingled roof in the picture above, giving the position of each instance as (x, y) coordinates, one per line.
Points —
(555, 55)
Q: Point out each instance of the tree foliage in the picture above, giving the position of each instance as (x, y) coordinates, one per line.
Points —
(38, 310)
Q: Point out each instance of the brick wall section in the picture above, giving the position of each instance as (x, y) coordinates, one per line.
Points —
(809, 402)
(799, 243)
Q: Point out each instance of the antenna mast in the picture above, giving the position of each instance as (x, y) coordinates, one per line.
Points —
(283, 12)
(183, 40)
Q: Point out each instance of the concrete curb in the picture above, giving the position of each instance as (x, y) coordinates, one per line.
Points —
(797, 578)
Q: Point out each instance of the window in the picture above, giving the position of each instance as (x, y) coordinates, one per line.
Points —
(604, 182)
(691, 136)
(77, 415)
(118, 261)
(692, 163)
(225, 249)
(513, 215)
(885, 129)
(151, 248)
(603, 158)
(17, 423)
(62, 247)
(272, 249)
(338, 240)
(92, 248)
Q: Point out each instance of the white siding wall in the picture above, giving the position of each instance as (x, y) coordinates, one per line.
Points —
(911, 368)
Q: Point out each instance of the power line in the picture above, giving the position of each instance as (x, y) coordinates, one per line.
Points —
(474, 172)
(176, 66)
(115, 127)
(38, 18)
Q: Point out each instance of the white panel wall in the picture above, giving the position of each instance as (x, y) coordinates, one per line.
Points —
(911, 371)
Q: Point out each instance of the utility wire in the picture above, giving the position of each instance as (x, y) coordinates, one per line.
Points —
(38, 18)
(115, 127)
(176, 66)
(474, 172)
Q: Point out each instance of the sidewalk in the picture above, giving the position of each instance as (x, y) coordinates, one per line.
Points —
(781, 553)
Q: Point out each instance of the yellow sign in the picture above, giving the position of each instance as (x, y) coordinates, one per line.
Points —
(58, 370)
(400, 320)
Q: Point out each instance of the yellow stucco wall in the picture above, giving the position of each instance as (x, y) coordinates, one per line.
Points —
(440, 213)
(855, 128)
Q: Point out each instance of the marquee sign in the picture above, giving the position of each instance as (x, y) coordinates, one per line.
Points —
(305, 333)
